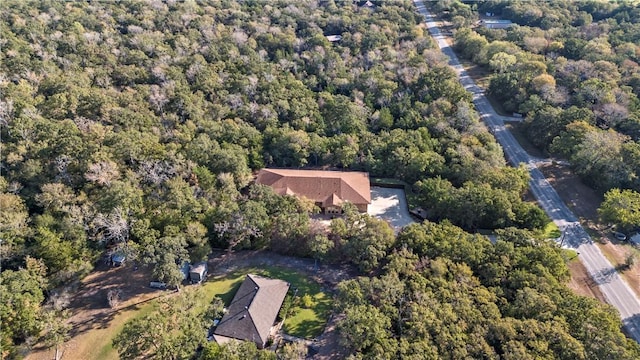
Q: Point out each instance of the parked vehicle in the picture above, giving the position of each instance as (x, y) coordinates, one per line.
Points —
(118, 258)
(620, 236)
(158, 285)
(198, 272)
(185, 268)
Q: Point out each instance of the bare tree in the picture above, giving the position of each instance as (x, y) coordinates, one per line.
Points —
(103, 172)
(113, 227)
(156, 172)
(62, 164)
(236, 230)
(158, 98)
(114, 296)
(56, 326)
(6, 112)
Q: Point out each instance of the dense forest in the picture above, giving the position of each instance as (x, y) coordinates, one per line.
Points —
(136, 126)
(571, 68)
(447, 294)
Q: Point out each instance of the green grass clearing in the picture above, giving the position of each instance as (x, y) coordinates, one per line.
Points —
(570, 255)
(103, 338)
(304, 323)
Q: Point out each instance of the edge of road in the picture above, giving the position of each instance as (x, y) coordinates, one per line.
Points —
(615, 290)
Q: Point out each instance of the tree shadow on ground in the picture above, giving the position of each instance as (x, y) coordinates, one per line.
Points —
(103, 320)
(306, 327)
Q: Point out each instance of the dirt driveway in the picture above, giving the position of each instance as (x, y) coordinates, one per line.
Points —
(391, 205)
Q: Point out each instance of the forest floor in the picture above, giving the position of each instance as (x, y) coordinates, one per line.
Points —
(94, 323)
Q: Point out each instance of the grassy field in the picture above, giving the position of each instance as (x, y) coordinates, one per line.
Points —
(102, 338)
(304, 323)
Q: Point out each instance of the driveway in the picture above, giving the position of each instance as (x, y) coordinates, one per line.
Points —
(390, 205)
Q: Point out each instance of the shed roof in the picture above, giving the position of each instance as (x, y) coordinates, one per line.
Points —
(497, 21)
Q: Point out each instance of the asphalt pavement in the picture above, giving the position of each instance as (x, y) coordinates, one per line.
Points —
(615, 290)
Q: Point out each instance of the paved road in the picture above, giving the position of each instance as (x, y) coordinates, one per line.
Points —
(616, 291)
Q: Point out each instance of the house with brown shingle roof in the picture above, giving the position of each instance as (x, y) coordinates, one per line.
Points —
(253, 311)
(327, 189)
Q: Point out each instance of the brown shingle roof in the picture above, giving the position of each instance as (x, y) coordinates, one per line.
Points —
(330, 187)
(253, 310)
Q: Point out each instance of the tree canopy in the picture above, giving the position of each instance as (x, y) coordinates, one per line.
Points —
(137, 126)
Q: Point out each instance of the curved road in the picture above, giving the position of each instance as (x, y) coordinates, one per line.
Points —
(616, 291)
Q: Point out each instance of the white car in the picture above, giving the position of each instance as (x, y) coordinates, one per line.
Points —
(158, 285)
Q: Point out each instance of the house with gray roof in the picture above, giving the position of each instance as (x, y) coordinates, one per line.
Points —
(253, 311)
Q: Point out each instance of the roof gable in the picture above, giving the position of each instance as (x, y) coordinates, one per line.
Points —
(253, 309)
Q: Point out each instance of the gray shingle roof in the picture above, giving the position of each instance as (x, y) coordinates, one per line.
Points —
(253, 310)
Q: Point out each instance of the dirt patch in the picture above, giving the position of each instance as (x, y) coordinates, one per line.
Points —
(581, 199)
(90, 309)
(617, 253)
(327, 344)
(581, 283)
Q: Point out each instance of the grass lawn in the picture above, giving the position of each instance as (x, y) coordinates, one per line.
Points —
(570, 255)
(551, 231)
(102, 338)
(304, 323)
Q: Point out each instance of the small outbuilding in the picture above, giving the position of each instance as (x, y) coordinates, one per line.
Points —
(118, 258)
(496, 24)
(198, 272)
(334, 38)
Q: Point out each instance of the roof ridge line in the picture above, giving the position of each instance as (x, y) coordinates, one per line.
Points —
(248, 309)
